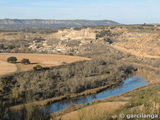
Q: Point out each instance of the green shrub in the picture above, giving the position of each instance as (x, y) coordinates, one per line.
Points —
(12, 59)
(25, 61)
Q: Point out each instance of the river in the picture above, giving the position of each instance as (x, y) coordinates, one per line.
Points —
(128, 85)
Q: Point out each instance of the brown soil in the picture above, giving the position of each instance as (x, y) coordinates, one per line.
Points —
(6, 67)
(45, 60)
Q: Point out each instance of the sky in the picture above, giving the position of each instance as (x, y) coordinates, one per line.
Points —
(122, 11)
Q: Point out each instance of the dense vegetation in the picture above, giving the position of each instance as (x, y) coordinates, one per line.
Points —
(15, 46)
(29, 112)
(73, 78)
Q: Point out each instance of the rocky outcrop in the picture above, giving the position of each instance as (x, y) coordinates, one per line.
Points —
(66, 40)
(71, 34)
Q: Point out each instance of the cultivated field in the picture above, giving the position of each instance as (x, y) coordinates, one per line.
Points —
(45, 60)
(6, 68)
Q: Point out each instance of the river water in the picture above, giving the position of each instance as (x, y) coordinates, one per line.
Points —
(128, 85)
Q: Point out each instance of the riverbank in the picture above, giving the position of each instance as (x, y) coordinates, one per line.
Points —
(65, 97)
(127, 86)
(124, 101)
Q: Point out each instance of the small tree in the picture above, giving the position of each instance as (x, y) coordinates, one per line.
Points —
(12, 59)
(25, 61)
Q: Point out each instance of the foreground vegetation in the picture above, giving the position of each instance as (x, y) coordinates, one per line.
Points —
(142, 101)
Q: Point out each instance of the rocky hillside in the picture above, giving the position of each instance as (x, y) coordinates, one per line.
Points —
(52, 23)
(138, 40)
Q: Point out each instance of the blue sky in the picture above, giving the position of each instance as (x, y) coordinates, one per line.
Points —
(123, 11)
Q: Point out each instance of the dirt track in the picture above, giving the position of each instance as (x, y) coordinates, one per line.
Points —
(132, 52)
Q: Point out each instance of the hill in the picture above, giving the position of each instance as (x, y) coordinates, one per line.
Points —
(40, 23)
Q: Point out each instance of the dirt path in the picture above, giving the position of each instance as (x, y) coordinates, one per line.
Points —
(6, 68)
(132, 52)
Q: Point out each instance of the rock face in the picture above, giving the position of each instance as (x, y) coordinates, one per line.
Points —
(71, 34)
(53, 23)
(66, 40)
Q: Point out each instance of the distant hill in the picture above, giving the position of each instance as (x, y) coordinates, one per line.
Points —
(40, 23)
